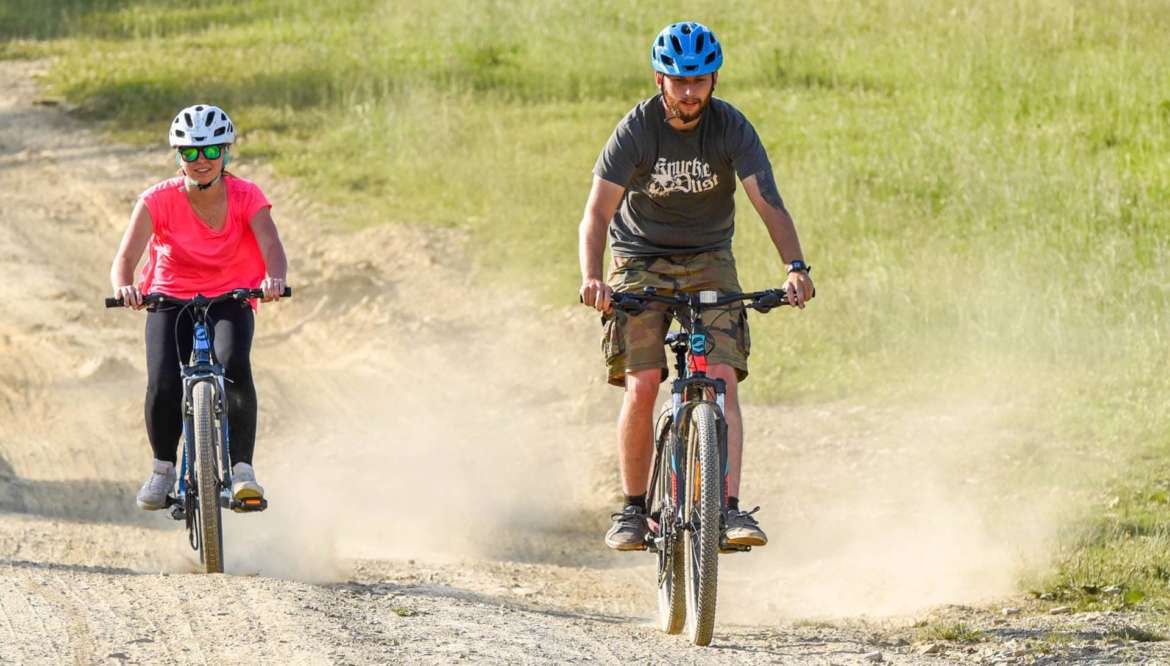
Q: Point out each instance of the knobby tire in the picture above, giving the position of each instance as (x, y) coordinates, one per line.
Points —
(207, 470)
(671, 596)
(703, 507)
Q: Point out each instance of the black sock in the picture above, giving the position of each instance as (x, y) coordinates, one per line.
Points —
(733, 504)
(636, 500)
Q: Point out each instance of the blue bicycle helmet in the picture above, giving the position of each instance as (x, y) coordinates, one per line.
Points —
(686, 49)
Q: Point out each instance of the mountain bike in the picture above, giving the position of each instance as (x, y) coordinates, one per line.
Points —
(203, 485)
(687, 492)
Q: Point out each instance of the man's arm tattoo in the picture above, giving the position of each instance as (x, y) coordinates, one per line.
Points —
(768, 189)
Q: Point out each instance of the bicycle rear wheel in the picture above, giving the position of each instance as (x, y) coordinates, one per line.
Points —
(671, 597)
(207, 471)
(702, 505)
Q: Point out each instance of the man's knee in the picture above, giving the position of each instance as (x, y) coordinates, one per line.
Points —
(728, 374)
(642, 387)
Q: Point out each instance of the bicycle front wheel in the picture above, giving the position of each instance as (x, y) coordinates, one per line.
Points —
(207, 470)
(663, 503)
(702, 505)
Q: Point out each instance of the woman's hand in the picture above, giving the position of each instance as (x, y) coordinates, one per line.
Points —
(129, 295)
(273, 287)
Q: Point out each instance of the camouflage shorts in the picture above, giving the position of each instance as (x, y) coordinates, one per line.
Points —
(633, 343)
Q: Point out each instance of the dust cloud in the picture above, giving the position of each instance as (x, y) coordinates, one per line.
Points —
(890, 511)
(433, 438)
(425, 441)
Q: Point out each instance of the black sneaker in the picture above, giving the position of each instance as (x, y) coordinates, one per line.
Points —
(743, 530)
(629, 529)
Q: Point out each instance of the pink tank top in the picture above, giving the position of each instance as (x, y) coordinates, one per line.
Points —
(186, 257)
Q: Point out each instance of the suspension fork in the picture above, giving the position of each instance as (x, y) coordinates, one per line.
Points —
(221, 404)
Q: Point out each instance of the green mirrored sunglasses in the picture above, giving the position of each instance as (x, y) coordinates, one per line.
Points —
(191, 153)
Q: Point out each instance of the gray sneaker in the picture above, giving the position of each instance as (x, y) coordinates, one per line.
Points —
(153, 495)
(629, 530)
(244, 484)
(743, 530)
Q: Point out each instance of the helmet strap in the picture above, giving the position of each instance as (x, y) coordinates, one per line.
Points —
(191, 183)
(661, 80)
(209, 183)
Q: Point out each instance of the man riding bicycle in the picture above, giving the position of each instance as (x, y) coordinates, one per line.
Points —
(664, 188)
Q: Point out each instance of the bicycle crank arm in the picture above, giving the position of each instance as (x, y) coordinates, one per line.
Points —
(655, 544)
(176, 507)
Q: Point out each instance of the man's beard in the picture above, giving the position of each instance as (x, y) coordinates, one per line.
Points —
(677, 113)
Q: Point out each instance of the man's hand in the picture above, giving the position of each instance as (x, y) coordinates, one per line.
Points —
(799, 287)
(596, 294)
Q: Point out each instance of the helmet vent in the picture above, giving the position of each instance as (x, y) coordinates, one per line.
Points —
(676, 44)
(691, 68)
(667, 60)
(710, 58)
(699, 43)
(180, 133)
(661, 41)
(219, 131)
(210, 118)
(187, 117)
(199, 108)
(686, 29)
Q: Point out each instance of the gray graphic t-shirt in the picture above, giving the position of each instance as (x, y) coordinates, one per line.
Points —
(680, 186)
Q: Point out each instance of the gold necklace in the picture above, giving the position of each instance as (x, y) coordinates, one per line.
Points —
(206, 216)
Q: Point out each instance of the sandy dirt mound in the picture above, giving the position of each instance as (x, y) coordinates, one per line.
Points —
(438, 455)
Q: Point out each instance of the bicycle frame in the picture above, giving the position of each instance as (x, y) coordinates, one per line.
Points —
(203, 484)
(691, 387)
(203, 368)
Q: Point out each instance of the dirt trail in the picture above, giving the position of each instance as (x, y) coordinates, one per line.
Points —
(439, 483)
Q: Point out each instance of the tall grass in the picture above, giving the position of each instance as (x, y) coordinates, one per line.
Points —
(983, 189)
(969, 181)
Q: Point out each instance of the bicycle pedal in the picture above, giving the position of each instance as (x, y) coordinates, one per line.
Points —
(249, 504)
(727, 548)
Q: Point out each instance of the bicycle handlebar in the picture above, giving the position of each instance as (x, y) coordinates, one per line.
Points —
(761, 301)
(233, 295)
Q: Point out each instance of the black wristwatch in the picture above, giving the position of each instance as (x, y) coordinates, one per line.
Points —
(798, 265)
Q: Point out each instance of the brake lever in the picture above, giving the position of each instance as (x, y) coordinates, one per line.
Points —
(630, 306)
(765, 303)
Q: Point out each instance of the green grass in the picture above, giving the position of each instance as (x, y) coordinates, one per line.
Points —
(981, 189)
(975, 186)
(1131, 633)
(950, 631)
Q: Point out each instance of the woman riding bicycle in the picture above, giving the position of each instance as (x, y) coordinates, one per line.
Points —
(208, 232)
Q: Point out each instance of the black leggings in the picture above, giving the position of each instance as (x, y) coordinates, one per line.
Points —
(232, 327)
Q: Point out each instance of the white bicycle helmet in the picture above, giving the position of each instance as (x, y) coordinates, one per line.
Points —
(202, 125)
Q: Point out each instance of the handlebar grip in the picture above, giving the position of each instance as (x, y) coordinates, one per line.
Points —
(114, 302)
(259, 293)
